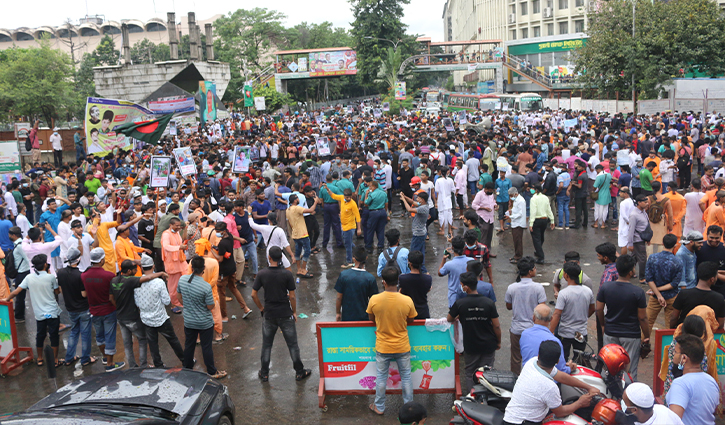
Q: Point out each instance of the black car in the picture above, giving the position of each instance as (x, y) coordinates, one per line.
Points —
(134, 396)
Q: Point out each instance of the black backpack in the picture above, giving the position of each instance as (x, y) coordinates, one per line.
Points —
(392, 261)
(28, 145)
(10, 270)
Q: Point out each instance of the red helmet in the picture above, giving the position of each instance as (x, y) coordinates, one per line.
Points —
(415, 180)
(606, 411)
(614, 357)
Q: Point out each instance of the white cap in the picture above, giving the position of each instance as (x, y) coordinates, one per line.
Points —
(640, 395)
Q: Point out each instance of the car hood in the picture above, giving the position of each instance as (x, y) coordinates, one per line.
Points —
(175, 390)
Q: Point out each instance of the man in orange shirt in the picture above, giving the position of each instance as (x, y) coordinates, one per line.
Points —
(714, 214)
(679, 206)
(126, 250)
(172, 253)
(710, 196)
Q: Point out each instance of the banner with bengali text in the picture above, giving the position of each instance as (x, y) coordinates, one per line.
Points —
(342, 62)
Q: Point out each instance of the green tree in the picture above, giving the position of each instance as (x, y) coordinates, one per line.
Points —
(185, 47)
(670, 38)
(245, 39)
(106, 52)
(273, 99)
(145, 51)
(377, 19)
(36, 81)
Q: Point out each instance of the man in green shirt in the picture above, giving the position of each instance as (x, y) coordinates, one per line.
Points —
(645, 178)
(376, 200)
(485, 177)
(92, 183)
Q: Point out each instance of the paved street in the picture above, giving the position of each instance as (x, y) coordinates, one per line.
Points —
(283, 398)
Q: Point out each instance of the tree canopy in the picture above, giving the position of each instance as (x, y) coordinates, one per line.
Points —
(671, 39)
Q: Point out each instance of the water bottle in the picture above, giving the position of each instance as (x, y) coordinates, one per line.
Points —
(297, 282)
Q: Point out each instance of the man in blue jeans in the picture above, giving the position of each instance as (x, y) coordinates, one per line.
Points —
(71, 284)
(391, 312)
(279, 311)
(377, 202)
(296, 221)
(331, 211)
(420, 217)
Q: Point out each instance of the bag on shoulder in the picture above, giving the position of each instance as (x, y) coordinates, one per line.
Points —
(28, 145)
(392, 261)
(10, 270)
(647, 234)
(656, 211)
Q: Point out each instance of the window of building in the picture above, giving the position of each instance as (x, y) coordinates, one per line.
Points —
(513, 34)
(525, 8)
(524, 33)
(579, 3)
(563, 4)
(549, 29)
(563, 27)
(537, 31)
(513, 9)
(579, 25)
(536, 6)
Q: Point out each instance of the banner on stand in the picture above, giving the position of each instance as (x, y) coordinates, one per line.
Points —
(103, 116)
(185, 161)
(160, 171)
(241, 159)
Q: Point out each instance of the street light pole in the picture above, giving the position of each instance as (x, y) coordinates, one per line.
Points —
(395, 43)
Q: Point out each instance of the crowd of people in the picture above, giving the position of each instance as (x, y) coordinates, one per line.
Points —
(121, 252)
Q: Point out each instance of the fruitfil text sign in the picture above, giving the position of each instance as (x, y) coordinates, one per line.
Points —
(347, 360)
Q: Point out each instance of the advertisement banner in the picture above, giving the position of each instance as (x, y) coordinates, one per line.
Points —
(448, 124)
(400, 90)
(472, 67)
(160, 171)
(241, 159)
(561, 71)
(663, 339)
(323, 64)
(259, 103)
(10, 353)
(102, 117)
(462, 118)
(323, 146)
(347, 359)
(9, 157)
(301, 64)
(207, 105)
(174, 105)
(22, 129)
(248, 96)
(6, 334)
(185, 161)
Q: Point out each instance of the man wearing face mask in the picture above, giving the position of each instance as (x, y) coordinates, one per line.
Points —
(639, 408)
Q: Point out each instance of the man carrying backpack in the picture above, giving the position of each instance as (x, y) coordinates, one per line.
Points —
(395, 255)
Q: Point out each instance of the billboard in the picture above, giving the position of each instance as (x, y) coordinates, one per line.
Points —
(400, 90)
(103, 116)
(347, 359)
(172, 105)
(343, 62)
(207, 105)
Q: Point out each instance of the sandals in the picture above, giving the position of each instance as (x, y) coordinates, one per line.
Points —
(219, 374)
(307, 275)
(375, 409)
(263, 378)
(75, 359)
(59, 363)
(91, 361)
(39, 362)
(304, 374)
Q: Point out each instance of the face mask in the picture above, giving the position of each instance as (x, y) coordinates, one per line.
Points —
(533, 191)
(470, 246)
(173, 231)
(218, 234)
(623, 418)
(25, 185)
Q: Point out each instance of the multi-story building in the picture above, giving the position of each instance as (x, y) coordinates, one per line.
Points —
(540, 31)
(83, 37)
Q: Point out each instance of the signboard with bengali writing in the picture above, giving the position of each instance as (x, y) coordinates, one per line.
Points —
(347, 360)
(549, 46)
(341, 62)
(172, 105)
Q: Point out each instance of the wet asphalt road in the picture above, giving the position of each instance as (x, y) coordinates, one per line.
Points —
(283, 400)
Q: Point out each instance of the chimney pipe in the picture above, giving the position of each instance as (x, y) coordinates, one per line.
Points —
(193, 48)
(173, 41)
(126, 44)
(198, 43)
(209, 42)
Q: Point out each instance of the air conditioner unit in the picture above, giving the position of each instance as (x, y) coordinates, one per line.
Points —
(512, 18)
(548, 12)
(580, 10)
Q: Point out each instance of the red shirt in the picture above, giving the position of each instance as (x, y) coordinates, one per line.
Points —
(97, 283)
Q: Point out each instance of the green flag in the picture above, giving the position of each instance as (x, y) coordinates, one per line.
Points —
(147, 131)
(248, 96)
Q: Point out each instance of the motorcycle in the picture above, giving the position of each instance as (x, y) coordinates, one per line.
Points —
(472, 413)
(608, 375)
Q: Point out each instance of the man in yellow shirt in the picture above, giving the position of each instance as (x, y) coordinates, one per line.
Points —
(541, 217)
(391, 312)
(350, 220)
(126, 250)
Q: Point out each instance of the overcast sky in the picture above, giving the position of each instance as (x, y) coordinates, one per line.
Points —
(422, 16)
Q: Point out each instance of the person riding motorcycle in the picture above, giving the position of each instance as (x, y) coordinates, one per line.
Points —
(535, 392)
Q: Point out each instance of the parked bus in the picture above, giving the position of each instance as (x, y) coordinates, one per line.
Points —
(472, 102)
(521, 102)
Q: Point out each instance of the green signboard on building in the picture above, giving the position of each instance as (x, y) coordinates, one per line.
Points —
(548, 46)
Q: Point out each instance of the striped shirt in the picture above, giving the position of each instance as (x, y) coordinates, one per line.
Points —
(196, 295)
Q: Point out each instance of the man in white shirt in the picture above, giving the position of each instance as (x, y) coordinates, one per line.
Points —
(57, 142)
(64, 232)
(444, 188)
(625, 208)
(81, 241)
(517, 214)
(22, 221)
(12, 206)
(535, 392)
(389, 183)
(638, 401)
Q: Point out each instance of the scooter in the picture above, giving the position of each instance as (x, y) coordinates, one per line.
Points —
(608, 375)
(471, 413)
